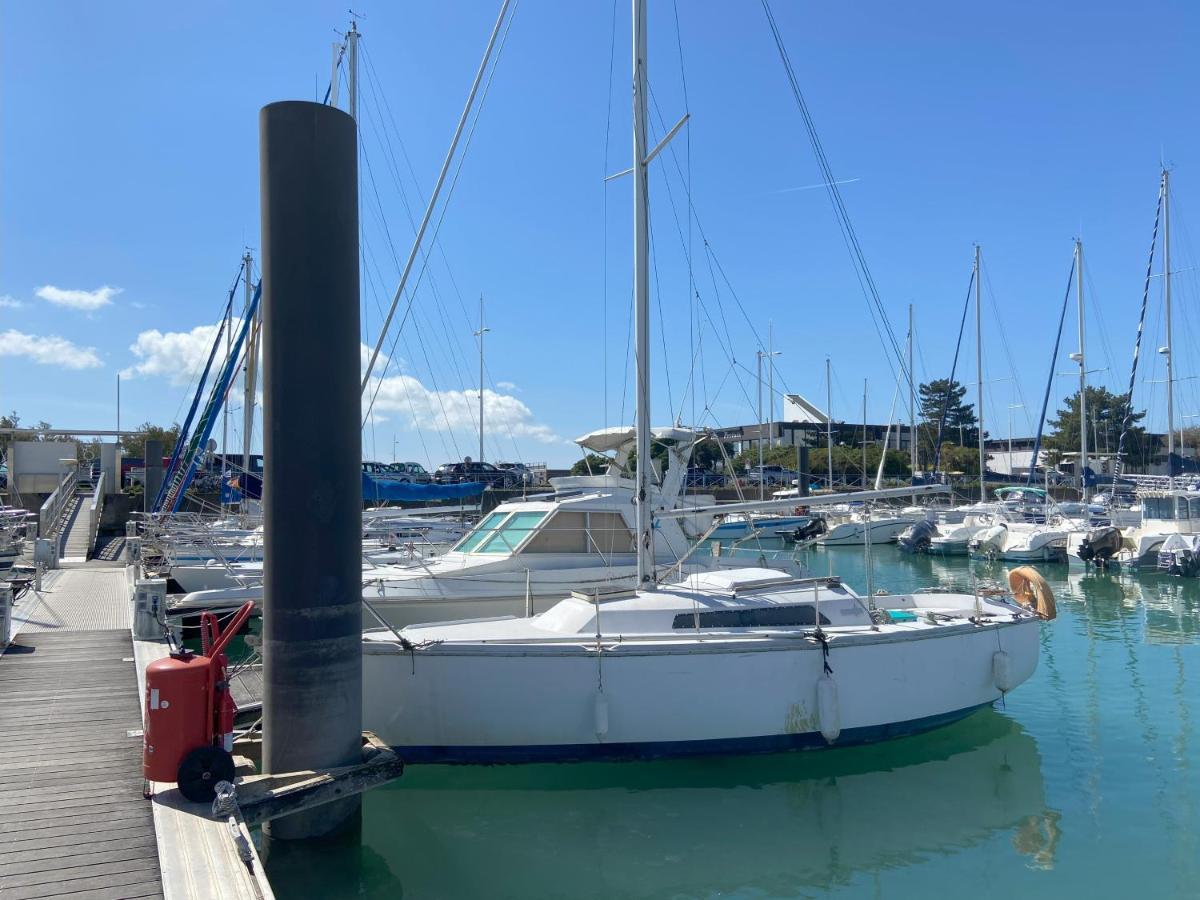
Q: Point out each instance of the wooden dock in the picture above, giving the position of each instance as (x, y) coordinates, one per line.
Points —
(73, 819)
(72, 816)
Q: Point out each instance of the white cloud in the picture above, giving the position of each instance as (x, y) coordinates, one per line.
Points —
(178, 356)
(88, 301)
(458, 411)
(506, 385)
(9, 302)
(364, 359)
(48, 351)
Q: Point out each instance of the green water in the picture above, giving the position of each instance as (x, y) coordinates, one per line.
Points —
(1083, 784)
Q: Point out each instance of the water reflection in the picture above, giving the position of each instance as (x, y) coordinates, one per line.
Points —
(765, 825)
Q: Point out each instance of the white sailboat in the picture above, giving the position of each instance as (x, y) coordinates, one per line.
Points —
(731, 661)
(1168, 536)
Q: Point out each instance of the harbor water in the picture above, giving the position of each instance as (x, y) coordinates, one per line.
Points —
(1083, 783)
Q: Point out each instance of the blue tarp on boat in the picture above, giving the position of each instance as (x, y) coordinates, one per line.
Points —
(377, 489)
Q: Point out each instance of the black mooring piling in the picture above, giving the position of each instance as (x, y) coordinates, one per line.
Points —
(312, 487)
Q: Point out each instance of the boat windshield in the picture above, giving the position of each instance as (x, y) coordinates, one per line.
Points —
(1159, 508)
(501, 532)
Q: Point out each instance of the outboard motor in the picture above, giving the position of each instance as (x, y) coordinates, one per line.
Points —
(1100, 545)
(1179, 556)
(917, 537)
(814, 527)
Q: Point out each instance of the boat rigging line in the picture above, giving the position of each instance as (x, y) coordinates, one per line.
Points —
(879, 316)
(937, 450)
(1137, 344)
(1037, 441)
(433, 197)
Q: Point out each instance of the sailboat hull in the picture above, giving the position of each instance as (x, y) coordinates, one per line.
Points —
(492, 704)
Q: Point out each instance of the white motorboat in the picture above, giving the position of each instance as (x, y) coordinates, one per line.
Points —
(723, 662)
(1164, 514)
(853, 530)
(1021, 542)
(526, 555)
(954, 538)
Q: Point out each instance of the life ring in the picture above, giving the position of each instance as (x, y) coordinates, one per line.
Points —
(1031, 590)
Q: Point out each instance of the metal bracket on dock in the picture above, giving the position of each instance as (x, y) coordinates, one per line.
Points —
(260, 798)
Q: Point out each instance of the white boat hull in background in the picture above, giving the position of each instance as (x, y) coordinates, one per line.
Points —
(853, 534)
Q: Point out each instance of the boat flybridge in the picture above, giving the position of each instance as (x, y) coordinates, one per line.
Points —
(525, 555)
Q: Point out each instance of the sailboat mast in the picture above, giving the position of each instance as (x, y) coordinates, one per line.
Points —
(225, 404)
(1083, 435)
(979, 375)
(771, 382)
(829, 420)
(758, 412)
(352, 70)
(912, 396)
(641, 293)
(1166, 189)
(250, 372)
(864, 434)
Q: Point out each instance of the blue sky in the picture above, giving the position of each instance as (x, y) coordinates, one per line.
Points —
(130, 161)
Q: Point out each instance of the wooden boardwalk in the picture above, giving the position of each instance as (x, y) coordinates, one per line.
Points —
(72, 816)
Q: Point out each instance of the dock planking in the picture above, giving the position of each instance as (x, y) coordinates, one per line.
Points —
(72, 816)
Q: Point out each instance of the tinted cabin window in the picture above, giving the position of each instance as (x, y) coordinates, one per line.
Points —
(754, 617)
(515, 530)
(608, 533)
(1195, 506)
(482, 531)
(564, 533)
(1181, 508)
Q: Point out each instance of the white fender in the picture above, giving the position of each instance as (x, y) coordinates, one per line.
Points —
(1002, 671)
(829, 715)
(600, 713)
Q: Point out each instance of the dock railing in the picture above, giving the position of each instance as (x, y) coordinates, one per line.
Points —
(95, 510)
(51, 511)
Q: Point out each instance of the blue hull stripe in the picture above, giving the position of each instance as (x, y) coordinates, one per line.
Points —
(771, 743)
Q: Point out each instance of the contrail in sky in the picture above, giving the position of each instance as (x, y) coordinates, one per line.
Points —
(812, 187)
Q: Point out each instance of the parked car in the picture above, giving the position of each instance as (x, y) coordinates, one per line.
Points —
(522, 471)
(454, 473)
(769, 475)
(698, 477)
(412, 472)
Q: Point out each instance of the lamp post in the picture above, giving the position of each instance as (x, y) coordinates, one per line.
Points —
(479, 334)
